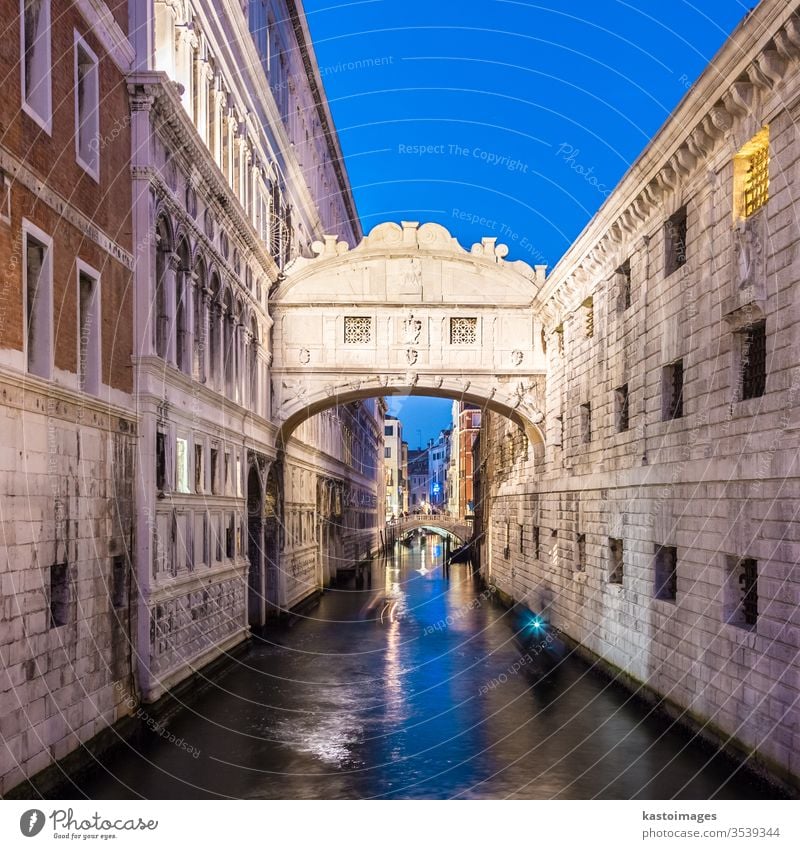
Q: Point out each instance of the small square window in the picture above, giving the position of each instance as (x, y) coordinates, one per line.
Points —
(672, 391)
(621, 420)
(463, 331)
(616, 570)
(357, 330)
(666, 577)
(675, 241)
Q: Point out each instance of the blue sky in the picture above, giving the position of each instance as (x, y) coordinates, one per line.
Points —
(502, 117)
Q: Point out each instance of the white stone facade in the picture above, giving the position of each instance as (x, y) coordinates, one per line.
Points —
(660, 530)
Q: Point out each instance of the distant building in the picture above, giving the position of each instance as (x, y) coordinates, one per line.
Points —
(438, 460)
(393, 465)
(466, 425)
(418, 480)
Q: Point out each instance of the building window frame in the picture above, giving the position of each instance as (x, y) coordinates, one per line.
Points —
(87, 119)
(38, 358)
(673, 390)
(37, 94)
(90, 329)
(675, 240)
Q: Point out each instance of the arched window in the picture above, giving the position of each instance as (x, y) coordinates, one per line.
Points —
(163, 248)
(182, 302)
(227, 342)
(215, 333)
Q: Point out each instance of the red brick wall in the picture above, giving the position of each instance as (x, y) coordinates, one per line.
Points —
(107, 203)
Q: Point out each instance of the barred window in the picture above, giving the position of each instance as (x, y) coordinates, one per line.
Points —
(741, 607)
(754, 361)
(463, 331)
(675, 241)
(624, 286)
(672, 391)
(617, 566)
(621, 408)
(357, 330)
(666, 563)
(751, 175)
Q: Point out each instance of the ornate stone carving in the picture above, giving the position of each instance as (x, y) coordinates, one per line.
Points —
(748, 249)
(412, 327)
(411, 356)
(517, 357)
(305, 356)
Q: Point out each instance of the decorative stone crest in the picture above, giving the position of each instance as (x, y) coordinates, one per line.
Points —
(305, 356)
(412, 327)
(517, 357)
(411, 356)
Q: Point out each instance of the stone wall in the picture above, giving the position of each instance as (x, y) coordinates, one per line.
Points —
(719, 482)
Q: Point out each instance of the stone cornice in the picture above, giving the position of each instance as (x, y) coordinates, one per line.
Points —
(749, 68)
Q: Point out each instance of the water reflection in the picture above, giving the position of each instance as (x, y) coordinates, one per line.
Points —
(414, 688)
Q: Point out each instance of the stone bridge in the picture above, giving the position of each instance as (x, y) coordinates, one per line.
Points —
(408, 311)
(460, 528)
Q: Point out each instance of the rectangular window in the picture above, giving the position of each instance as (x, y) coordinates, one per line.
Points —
(624, 286)
(119, 582)
(672, 391)
(554, 548)
(675, 242)
(521, 540)
(741, 592)
(616, 566)
(5, 197)
(38, 302)
(388, 430)
(87, 111)
(536, 551)
(580, 553)
(226, 483)
(215, 471)
(559, 431)
(463, 331)
(161, 461)
(36, 64)
(182, 465)
(229, 536)
(199, 468)
(59, 595)
(666, 566)
(357, 330)
(753, 369)
(387, 453)
(751, 176)
(88, 330)
(621, 408)
(586, 423)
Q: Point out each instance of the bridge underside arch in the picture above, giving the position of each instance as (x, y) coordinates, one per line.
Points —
(369, 386)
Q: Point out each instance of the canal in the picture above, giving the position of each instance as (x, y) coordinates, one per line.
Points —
(411, 688)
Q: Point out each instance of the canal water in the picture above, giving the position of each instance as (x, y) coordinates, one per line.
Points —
(414, 687)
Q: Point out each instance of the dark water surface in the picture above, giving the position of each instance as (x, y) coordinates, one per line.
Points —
(407, 690)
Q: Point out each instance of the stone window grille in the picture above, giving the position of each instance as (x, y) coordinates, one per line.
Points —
(357, 330)
(753, 373)
(617, 568)
(621, 408)
(751, 176)
(742, 592)
(588, 316)
(672, 391)
(536, 542)
(59, 595)
(463, 331)
(666, 564)
(675, 241)
(580, 553)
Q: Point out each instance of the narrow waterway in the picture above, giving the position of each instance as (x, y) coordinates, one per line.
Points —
(413, 688)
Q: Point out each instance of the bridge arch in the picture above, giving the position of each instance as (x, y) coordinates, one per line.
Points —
(408, 311)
